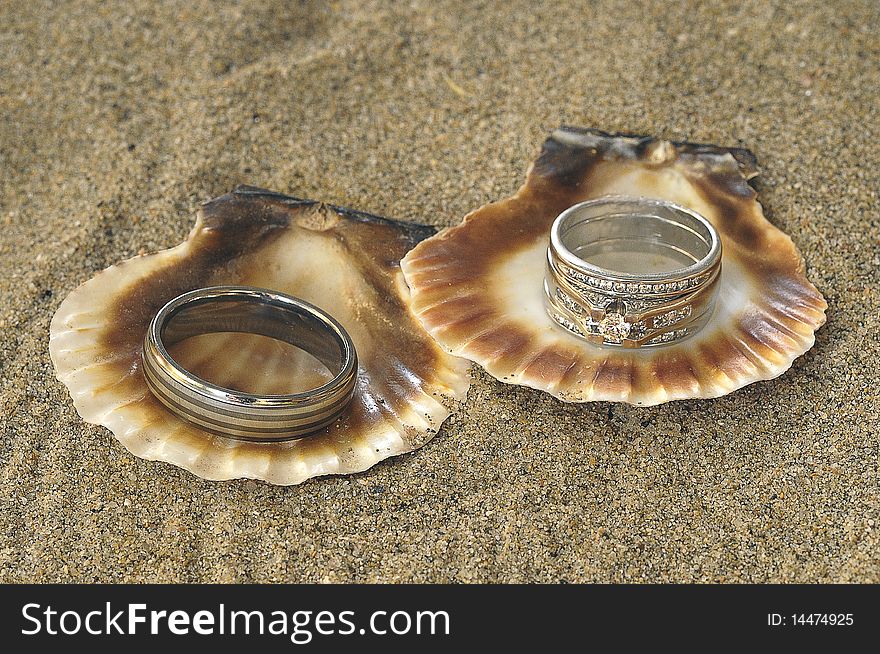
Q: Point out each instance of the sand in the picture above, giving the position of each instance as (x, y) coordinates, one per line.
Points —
(117, 119)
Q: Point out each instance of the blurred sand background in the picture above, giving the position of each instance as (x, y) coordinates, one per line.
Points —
(118, 118)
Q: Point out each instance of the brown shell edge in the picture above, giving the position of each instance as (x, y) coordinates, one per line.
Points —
(219, 222)
(553, 183)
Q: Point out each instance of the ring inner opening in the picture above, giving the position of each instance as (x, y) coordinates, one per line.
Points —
(635, 241)
(252, 347)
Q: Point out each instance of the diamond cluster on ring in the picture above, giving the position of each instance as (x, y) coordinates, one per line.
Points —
(614, 328)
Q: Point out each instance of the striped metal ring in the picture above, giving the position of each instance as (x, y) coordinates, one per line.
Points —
(231, 413)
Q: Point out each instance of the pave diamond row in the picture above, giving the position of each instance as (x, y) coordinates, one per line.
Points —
(569, 303)
(631, 287)
(668, 337)
(568, 324)
(600, 299)
(671, 317)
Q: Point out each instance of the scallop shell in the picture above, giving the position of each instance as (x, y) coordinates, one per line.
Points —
(343, 261)
(477, 287)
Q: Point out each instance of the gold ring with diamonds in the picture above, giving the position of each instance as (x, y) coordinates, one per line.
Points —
(632, 272)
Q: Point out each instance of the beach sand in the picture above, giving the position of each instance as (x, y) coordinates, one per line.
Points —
(118, 118)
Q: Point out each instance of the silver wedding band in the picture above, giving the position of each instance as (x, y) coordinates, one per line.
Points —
(632, 272)
(232, 413)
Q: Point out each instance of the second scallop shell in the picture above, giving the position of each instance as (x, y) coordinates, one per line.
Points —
(477, 287)
(344, 261)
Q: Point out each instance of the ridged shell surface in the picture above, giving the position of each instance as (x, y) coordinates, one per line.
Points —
(343, 261)
(477, 287)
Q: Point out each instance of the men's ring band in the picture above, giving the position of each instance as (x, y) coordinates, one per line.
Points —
(235, 414)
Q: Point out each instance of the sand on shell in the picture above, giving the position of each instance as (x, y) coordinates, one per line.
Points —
(117, 119)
